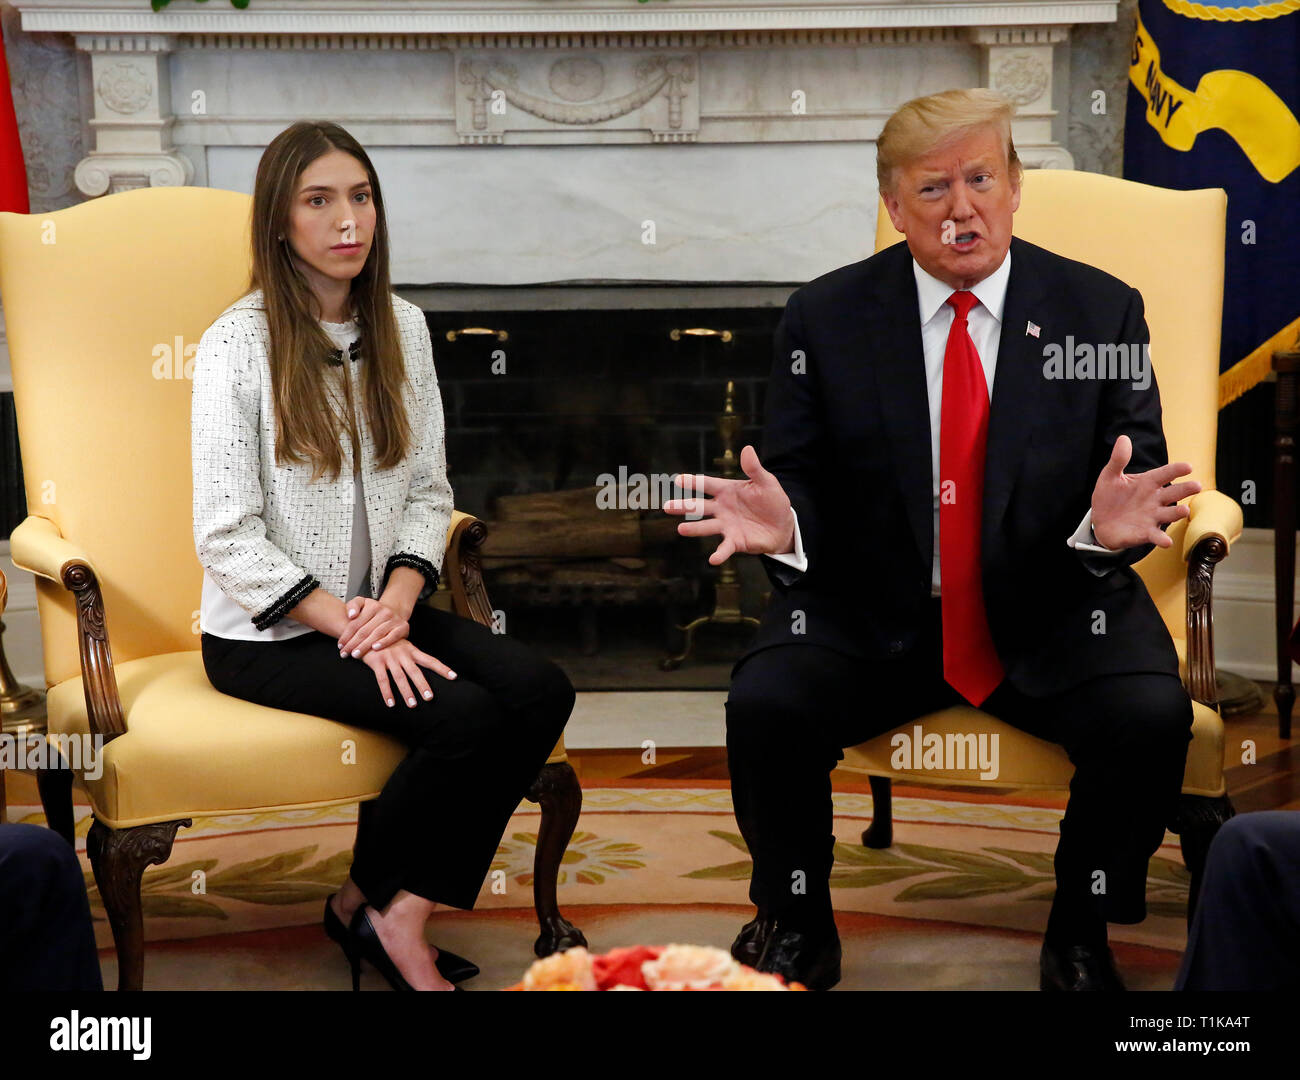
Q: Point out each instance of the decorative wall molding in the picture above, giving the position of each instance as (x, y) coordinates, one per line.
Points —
(1019, 35)
(124, 41)
(130, 74)
(650, 39)
(549, 17)
(522, 90)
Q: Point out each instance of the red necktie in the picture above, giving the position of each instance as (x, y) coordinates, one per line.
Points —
(970, 663)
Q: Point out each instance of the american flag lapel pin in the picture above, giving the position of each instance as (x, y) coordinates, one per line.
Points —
(1032, 330)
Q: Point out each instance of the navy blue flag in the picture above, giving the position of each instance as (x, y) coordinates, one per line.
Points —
(1214, 93)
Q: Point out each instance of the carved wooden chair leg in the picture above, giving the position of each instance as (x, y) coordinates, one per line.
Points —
(1199, 819)
(880, 833)
(557, 791)
(55, 786)
(119, 857)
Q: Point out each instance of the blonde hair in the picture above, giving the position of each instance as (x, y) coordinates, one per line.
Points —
(923, 124)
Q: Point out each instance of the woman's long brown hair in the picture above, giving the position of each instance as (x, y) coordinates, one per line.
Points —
(307, 420)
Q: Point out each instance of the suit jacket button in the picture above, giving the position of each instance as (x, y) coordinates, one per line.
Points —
(895, 647)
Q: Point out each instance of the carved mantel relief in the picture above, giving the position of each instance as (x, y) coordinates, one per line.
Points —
(559, 72)
(502, 92)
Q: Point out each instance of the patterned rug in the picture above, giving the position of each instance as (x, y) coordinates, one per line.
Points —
(959, 859)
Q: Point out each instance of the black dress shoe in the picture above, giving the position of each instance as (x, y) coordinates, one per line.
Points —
(798, 956)
(451, 967)
(752, 939)
(1078, 967)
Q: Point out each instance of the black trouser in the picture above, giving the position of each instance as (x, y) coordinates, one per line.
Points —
(792, 708)
(47, 941)
(1246, 933)
(475, 747)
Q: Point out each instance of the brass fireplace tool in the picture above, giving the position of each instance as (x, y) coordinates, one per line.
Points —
(22, 710)
(726, 605)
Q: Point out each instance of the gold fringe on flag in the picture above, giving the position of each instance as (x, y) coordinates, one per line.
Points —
(1254, 368)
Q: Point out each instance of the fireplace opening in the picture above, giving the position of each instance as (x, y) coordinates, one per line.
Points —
(564, 427)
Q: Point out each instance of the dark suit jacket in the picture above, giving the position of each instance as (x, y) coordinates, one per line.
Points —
(850, 442)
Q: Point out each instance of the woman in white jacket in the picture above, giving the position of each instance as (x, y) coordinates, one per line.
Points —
(321, 506)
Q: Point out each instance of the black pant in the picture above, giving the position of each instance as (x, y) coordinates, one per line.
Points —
(475, 747)
(1246, 933)
(792, 708)
(47, 941)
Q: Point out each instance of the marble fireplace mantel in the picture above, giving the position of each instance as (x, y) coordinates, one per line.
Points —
(567, 140)
(546, 16)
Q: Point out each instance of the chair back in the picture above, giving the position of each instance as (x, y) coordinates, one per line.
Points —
(1169, 245)
(105, 303)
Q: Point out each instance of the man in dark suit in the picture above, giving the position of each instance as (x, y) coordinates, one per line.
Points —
(949, 509)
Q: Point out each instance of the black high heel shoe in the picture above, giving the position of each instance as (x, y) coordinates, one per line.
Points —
(454, 968)
(335, 929)
(366, 945)
(450, 966)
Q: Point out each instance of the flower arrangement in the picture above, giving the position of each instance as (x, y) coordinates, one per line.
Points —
(648, 967)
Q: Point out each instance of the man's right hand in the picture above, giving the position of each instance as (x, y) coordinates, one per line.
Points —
(753, 516)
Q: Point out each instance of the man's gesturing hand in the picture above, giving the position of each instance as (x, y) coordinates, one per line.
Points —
(1128, 510)
(753, 515)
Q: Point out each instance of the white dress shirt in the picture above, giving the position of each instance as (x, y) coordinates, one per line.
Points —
(984, 323)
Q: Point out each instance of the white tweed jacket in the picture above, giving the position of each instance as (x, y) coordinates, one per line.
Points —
(265, 534)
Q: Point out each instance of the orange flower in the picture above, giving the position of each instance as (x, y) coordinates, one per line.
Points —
(563, 970)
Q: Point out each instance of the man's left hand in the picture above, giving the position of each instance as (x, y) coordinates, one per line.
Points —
(1128, 509)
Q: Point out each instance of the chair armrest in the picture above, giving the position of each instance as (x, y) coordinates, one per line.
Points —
(1215, 522)
(1213, 514)
(37, 546)
(462, 567)
(463, 573)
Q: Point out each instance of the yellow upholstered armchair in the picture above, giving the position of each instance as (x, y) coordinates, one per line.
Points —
(1169, 246)
(105, 304)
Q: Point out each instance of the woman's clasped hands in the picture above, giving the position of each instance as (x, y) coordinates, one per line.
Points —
(377, 635)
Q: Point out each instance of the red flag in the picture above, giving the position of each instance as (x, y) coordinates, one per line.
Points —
(13, 173)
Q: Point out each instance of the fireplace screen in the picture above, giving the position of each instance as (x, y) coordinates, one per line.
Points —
(564, 429)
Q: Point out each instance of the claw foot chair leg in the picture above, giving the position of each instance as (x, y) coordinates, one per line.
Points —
(557, 791)
(118, 858)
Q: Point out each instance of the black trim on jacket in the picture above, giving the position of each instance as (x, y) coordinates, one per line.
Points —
(289, 600)
(415, 562)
